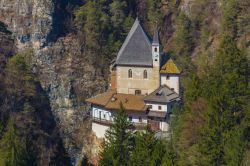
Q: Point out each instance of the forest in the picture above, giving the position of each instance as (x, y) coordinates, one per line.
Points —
(210, 42)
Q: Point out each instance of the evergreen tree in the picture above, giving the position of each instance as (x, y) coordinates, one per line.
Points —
(12, 149)
(228, 99)
(91, 21)
(152, 151)
(20, 83)
(230, 14)
(117, 142)
(154, 14)
(182, 40)
(143, 150)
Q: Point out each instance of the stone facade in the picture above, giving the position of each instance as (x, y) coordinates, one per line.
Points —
(137, 82)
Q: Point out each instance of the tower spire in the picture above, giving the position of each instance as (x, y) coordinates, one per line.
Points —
(156, 38)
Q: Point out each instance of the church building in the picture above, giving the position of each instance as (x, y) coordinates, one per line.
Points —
(147, 86)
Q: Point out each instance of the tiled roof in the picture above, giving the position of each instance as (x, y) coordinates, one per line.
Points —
(130, 102)
(111, 100)
(163, 95)
(136, 50)
(101, 99)
(169, 68)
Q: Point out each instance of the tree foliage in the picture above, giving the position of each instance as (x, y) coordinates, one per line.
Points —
(117, 141)
(12, 148)
(228, 97)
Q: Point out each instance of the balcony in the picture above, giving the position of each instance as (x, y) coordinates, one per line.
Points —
(102, 121)
(135, 125)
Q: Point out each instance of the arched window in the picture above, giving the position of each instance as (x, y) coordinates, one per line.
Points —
(155, 49)
(129, 73)
(145, 74)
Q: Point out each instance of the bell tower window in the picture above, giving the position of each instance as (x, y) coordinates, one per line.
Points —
(145, 74)
(129, 73)
(155, 49)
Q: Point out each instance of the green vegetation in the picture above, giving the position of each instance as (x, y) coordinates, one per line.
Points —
(25, 115)
(122, 147)
(154, 14)
(227, 94)
(12, 148)
(117, 142)
(183, 42)
(103, 26)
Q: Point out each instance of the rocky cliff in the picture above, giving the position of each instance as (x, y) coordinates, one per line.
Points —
(65, 73)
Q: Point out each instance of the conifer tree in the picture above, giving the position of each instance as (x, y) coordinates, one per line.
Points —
(182, 40)
(152, 151)
(20, 83)
(117, 142)
(144, 147)
(228, 100)
(12, 149)
(154, 14)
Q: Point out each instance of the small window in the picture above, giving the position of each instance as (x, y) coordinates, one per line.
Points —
(145, 74)
(130, 73)
(100, 114)
(140, 119)
(167, 77)
(137, 92)
(130, 118)
(155, 49)
(104, 116)
(150, 106)
(159, 107)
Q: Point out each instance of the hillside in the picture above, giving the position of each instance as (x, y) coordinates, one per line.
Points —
(69, 45)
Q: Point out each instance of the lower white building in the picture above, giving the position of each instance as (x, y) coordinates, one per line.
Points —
(151, 110)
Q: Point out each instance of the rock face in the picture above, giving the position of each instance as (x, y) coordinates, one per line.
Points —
(65, 73)
(29, 20)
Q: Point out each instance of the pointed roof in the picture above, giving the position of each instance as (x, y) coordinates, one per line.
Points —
(136, 50)
(162, 95)
(169, 68)
(156, 38)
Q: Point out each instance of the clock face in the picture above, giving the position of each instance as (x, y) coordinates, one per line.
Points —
(156, 56)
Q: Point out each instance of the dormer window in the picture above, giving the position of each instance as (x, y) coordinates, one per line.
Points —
(155, 49)
(129, 73)
(145, 74)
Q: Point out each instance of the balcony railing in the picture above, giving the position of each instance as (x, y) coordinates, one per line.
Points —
(102, 121)
(135, 125)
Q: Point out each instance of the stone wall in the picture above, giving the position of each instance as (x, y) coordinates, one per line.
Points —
(137, 82)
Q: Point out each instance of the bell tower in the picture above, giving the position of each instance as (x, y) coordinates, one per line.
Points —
(156, 50)
(156, 59)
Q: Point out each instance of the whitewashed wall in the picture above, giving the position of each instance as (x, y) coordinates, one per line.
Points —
(155, 107)
(172, 82)
(99, 129)
(135, 118)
